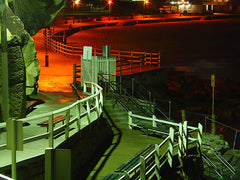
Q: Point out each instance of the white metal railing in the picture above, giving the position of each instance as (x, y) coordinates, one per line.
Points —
(160, 159)
(3, 177)
(127, 61)
(93, 104)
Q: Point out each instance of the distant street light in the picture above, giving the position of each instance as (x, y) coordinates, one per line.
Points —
(145, 2)
(76, 2)
(109, 9)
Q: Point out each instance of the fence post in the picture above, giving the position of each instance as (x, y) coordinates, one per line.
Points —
(78, 115)
(97, 105)
(141, 64)
(180, 141)
(50, 131)
(157, 161)
(67, 124)
(126, 175)
(74, 74)
(132, 86)
(150, 60)
(142, 168)
(131, 64)
(154, 124)
(88, 112)
(130, 119)
(169, 110)
(159, 60)
(200, 130)
(183, 116)
(170, 148)
(84, 87)
(185, 137)
(120, 67)
(119, 54)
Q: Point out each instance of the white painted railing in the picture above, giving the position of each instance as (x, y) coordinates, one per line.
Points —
(93, 109)
(160, 159)
(95, 96)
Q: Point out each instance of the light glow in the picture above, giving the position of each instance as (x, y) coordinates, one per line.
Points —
(77, 1)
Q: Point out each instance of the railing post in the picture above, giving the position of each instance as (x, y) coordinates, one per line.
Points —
(150, 96)
(131, 64)
(183, 116)
(88, 112)
(78, 115)
(142, 168)
(130, 119)
(50, 131)
(97, 105)
(170, 148)
(154, 124)
(200, 130)
(120, 67)
(159, 65)
(157, 161)
(67, 124)
(185, 137)
(141, 64)
(74, 74)
(132, 86)
(126, 175)
(169, 110)
(84, 87)
(180, 140)
(150, 60)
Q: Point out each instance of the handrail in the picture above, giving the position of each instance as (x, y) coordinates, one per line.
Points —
(131, 59)
(220, 158)
(97, 96)
(145, 170)
(3, 177)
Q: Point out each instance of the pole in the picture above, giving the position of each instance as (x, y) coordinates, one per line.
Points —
(109, 9)
(213, 130)
(4, 59)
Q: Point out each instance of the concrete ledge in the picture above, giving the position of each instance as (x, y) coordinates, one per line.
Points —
(87, 147)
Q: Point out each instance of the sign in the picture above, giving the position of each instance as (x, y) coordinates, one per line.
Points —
(87, 52)
(212, 80)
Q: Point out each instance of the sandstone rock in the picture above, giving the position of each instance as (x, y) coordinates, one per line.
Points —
(37, 14)
(16, 27)
(17, 79)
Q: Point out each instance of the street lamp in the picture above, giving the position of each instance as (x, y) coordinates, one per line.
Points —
(76, 2)
(145, 2)
(109, 9)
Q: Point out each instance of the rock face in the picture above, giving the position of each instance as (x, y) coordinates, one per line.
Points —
(17, 79)
(36, 14)
(26, 19)
(16, 28)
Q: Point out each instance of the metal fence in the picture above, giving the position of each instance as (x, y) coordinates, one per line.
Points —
(150, 165)
(127, 61)
(93, 104)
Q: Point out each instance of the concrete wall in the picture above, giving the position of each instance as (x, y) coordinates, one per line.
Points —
(86, 148)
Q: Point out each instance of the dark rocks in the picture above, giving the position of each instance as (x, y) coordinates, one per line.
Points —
(37, 14)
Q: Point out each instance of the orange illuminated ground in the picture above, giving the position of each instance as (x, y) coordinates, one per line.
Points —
(59, 74)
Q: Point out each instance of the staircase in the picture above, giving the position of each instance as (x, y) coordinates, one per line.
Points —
(217, 166)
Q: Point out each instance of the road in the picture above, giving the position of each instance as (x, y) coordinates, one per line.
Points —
(201, 47)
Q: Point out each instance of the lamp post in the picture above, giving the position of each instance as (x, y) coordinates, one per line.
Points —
(109, 9)
(145, 2)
